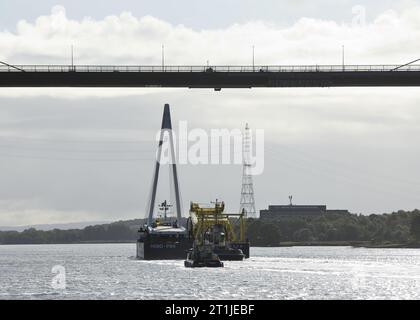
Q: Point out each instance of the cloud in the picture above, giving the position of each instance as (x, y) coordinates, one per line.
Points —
(126, 39)
(31, 211)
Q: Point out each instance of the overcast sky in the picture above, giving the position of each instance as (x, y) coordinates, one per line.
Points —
(200, 14)
(69, 155)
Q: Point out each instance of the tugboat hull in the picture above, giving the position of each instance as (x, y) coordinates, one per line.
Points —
(202, 264)
(202, 256)
(230, 255)
(244, 246)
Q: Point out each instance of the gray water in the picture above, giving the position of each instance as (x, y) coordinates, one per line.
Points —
(110, 271)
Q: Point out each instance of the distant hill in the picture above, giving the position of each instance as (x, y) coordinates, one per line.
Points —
(120, 231)
(46, 227)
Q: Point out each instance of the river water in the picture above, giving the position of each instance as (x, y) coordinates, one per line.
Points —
(110, 271)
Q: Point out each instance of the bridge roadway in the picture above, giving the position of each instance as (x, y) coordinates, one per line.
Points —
(216, 77)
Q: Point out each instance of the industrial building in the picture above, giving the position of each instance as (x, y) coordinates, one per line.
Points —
(278, 211)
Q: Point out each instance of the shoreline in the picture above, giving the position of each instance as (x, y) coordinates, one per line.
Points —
(354, 244)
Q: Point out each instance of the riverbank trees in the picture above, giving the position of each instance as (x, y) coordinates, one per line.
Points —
(398, 227)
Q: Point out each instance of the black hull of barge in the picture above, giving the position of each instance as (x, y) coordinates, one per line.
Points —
(163, 249)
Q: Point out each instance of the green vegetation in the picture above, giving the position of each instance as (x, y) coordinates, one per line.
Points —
(398, 228)
(415, 227)
(121, 231)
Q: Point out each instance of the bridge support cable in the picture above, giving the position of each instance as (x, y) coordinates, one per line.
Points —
(405, 65)
(11, 66)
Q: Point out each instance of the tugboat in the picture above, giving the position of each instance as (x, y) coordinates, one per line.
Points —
(202, 256)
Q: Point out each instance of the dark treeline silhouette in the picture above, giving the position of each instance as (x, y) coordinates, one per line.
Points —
(120, 231)
(397, 228)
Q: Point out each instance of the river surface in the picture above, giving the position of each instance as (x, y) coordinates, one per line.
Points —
(110, 271)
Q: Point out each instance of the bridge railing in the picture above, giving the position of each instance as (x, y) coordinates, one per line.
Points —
(256, 69)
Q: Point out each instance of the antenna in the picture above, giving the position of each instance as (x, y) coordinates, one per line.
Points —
(165, 207)
(253, 58)
(163, 58)
(72, 58)
(343, 58)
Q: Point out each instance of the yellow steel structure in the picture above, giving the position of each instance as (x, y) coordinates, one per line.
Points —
(205, 218)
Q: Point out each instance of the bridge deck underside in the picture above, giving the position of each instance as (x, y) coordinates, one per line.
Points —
(211, 79)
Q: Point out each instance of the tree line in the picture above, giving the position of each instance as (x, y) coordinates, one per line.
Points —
(120, 231)
(399, 228)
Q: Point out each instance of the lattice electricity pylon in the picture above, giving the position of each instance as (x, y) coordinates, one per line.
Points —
(247, 191)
